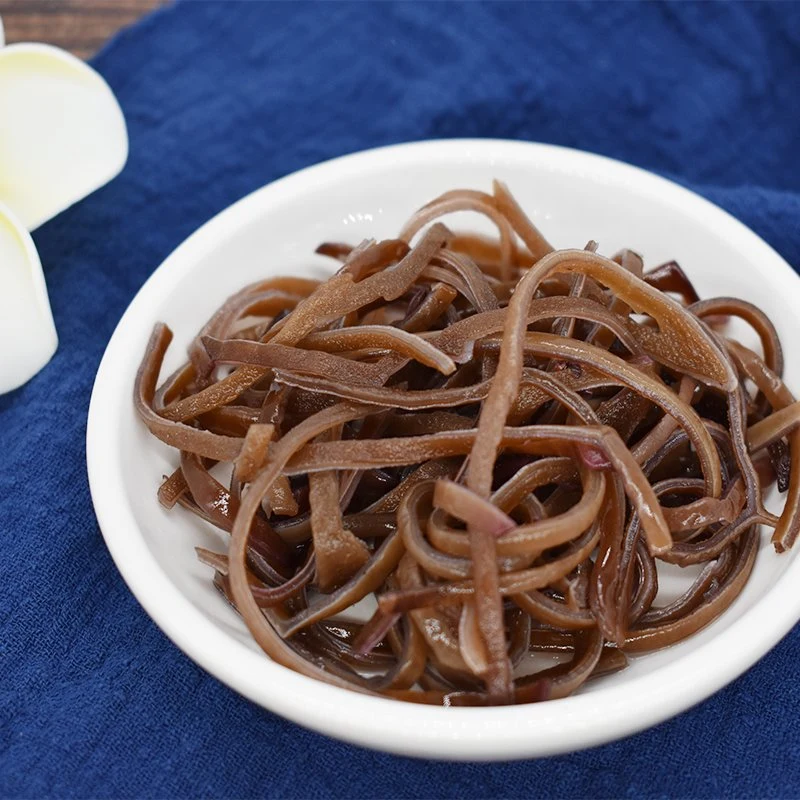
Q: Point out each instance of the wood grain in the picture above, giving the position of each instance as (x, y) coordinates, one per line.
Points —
(80, 26)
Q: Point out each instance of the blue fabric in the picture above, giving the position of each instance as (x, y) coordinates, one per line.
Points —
(221, 98)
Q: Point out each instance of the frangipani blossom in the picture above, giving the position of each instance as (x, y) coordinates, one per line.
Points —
(62, 135)
(27, 333)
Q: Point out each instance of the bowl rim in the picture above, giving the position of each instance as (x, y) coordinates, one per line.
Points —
(495, 733)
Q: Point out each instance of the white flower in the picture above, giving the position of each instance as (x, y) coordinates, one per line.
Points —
(62, 135)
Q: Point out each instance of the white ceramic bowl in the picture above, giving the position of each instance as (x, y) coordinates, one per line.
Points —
(574, 197)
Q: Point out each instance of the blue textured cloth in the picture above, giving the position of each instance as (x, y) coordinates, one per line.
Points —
(221, 98)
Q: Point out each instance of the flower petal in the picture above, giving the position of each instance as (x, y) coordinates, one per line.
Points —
(27, 333)
(2, 33)
(63, 133)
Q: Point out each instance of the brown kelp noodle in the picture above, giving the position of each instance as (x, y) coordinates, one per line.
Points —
(492, 441)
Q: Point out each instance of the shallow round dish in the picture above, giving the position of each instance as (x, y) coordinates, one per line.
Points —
(574, 197)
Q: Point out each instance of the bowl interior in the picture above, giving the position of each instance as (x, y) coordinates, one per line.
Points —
(573, 197)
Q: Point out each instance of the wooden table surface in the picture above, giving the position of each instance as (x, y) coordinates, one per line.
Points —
(80, 26)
